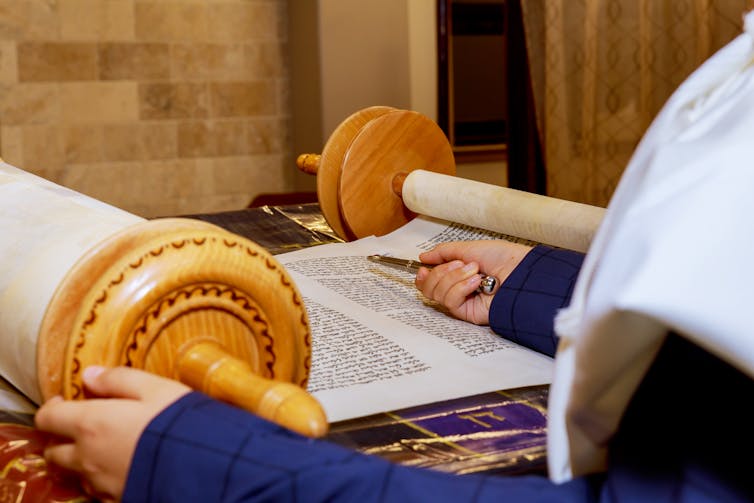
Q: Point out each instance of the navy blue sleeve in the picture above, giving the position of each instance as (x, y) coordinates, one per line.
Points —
(200, 449)
(524, 307)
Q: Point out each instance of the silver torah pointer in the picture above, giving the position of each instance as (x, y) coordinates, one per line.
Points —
(487, 286)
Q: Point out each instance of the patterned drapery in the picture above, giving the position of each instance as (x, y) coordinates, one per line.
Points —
(602, 69)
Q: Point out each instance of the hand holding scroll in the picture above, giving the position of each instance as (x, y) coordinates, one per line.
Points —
(99, 435)
(454, 280)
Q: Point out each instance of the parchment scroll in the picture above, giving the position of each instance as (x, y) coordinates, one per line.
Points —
(547, 220)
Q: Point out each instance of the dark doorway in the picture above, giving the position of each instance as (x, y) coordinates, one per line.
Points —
(484, 88)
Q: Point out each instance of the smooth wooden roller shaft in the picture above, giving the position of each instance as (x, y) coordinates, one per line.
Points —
(547, 220)
(206, 366)
(308, 163)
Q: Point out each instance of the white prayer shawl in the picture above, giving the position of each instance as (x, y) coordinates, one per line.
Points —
(674, 252)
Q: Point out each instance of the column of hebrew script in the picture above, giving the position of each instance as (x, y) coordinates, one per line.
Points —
(379, 345)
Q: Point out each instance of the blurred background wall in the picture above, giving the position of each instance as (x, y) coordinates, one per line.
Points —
(170, 107)
(159, 107)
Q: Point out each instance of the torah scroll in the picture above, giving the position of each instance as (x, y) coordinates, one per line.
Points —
(383, 166)
(539, 218)
(82, 282)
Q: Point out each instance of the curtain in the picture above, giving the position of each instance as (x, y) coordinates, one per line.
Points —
(602, 69)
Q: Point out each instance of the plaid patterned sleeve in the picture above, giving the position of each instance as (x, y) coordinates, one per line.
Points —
(524, 307)
(200, 449)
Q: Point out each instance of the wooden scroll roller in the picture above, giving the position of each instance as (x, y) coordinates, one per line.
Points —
(382, 166)
(84, 283)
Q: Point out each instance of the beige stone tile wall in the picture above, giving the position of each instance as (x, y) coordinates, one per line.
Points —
(159, 107)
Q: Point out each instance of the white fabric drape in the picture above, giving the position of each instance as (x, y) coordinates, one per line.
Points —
(673, 253)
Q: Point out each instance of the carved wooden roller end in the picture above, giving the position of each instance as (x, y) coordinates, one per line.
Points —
(190, 301)
(364, 162)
